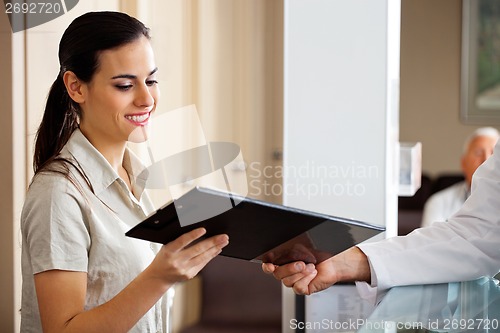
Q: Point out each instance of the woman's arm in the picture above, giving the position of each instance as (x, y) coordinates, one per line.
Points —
(61, 294)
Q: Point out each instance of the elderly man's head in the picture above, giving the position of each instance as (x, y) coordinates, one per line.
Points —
(477, 148)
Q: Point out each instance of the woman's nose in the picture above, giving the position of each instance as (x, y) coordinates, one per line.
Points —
(144, 97)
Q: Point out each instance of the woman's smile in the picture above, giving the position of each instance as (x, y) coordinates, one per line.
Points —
(141, 119)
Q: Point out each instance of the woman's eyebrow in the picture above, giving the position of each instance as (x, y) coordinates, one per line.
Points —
(130, 76)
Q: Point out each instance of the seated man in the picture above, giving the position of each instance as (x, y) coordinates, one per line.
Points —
(443, 204)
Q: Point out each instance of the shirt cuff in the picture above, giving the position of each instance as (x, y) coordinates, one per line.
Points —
(370, 291)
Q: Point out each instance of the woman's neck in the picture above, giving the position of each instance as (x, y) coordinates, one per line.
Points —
(113, 152)
(114, 155)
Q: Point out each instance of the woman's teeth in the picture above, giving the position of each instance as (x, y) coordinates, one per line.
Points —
(138, 119)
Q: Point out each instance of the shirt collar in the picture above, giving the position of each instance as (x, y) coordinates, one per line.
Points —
(137, 171)
(98, 170)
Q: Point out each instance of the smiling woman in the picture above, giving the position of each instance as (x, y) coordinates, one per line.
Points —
(80, 272)
(116, 107)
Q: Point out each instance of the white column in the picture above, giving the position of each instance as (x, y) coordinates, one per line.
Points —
(341, 113)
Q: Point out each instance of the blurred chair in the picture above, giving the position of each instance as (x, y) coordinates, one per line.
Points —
(445, 180)
(410, 209)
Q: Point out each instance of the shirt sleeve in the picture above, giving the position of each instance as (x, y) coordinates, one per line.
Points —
(53, 225)
(462, 249)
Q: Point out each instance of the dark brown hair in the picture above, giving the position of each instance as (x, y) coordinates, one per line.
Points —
(79, 49)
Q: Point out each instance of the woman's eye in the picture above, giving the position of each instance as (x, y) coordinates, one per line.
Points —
(124, 87)
(151, 82)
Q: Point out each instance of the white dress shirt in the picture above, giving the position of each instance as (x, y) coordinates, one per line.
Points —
(443, 204)
(464, 248)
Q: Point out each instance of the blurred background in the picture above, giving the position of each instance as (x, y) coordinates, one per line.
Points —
(225, 57)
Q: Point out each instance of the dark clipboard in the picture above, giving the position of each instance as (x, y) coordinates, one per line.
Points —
(258, 231)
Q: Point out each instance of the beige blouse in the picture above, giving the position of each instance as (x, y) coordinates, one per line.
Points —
(82, 228)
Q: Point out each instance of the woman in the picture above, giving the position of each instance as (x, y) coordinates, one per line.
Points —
(80, 273)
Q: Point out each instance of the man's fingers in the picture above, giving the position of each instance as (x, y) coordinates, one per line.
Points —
(284, 271)
(291, 280)
(268, 268)
(302, 286)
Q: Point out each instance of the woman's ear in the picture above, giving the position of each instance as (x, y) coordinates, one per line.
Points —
(74, 87)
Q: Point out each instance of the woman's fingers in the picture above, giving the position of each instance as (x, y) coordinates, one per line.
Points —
(206, 249)
(184, 240)
(198, 258)
(183, 258)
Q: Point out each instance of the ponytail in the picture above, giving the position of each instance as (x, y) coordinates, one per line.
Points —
(59, 121)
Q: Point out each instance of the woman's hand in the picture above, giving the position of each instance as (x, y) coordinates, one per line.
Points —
(61, 294)
(183, 258)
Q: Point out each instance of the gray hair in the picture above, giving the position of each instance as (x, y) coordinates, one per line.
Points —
(482, 131)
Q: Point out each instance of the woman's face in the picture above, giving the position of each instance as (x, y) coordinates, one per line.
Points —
(122, 95)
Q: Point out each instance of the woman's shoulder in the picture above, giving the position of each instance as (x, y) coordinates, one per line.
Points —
(57, 182)
(52, 196)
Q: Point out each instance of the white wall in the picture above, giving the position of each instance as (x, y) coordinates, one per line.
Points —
(430, 82)
(341, 92)
(341, 107)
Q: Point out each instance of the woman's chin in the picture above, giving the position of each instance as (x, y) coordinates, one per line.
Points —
(139, 134)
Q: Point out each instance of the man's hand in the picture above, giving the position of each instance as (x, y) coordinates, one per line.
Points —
(350, 265)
